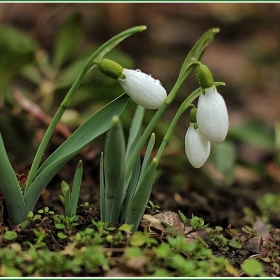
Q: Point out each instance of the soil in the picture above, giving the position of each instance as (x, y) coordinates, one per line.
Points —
(244, 55)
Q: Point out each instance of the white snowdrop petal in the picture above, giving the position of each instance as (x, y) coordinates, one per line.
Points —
(143, 89)
(197, 147)
(212, 116)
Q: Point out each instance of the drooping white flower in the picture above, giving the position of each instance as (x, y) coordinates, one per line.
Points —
(197, 146)
(143, 89)
(212, 115)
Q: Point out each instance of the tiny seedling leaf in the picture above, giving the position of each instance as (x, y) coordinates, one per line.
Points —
(252, 267)
(61, 235)
(65, 188)
(234, 242)
(183, 217)
(10, 235)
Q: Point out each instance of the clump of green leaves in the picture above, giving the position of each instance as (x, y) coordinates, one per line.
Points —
(197, 223)
(176, 257)
(221, 241)
(66, 224)
(42, 262)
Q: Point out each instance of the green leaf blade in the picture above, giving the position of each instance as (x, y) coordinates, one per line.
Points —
(96, 125)
(67, 205)
(140, 200)
(132, 184)
(102, 189)
(148, 153)
(135, 126)
(76, 188)
(10, 188)
(114, 171)
(72, 146)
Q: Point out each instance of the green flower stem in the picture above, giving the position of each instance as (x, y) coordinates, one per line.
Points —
(184, 106)
(151, 125)
(64, 105)
(95, 58)
(189, 65)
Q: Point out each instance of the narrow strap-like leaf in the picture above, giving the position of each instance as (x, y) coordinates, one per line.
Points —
(130, 188)
(96, 125)
(102, 189)
(67, 203)
(135, 127)
(114, 171)
(140, 200)
(10, 188)
(148, 153)
(110, 44)
(75, 193)
(136, 175)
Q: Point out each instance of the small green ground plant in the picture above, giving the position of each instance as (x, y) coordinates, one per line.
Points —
(86, 254)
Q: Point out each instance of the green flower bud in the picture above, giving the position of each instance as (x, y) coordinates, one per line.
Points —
(111, 68)
(204, 76)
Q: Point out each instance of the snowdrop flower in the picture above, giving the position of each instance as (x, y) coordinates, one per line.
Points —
(143, 89)
(212, 115)
(197, 147)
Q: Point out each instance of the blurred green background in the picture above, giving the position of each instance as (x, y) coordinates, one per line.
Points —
(44, 45)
